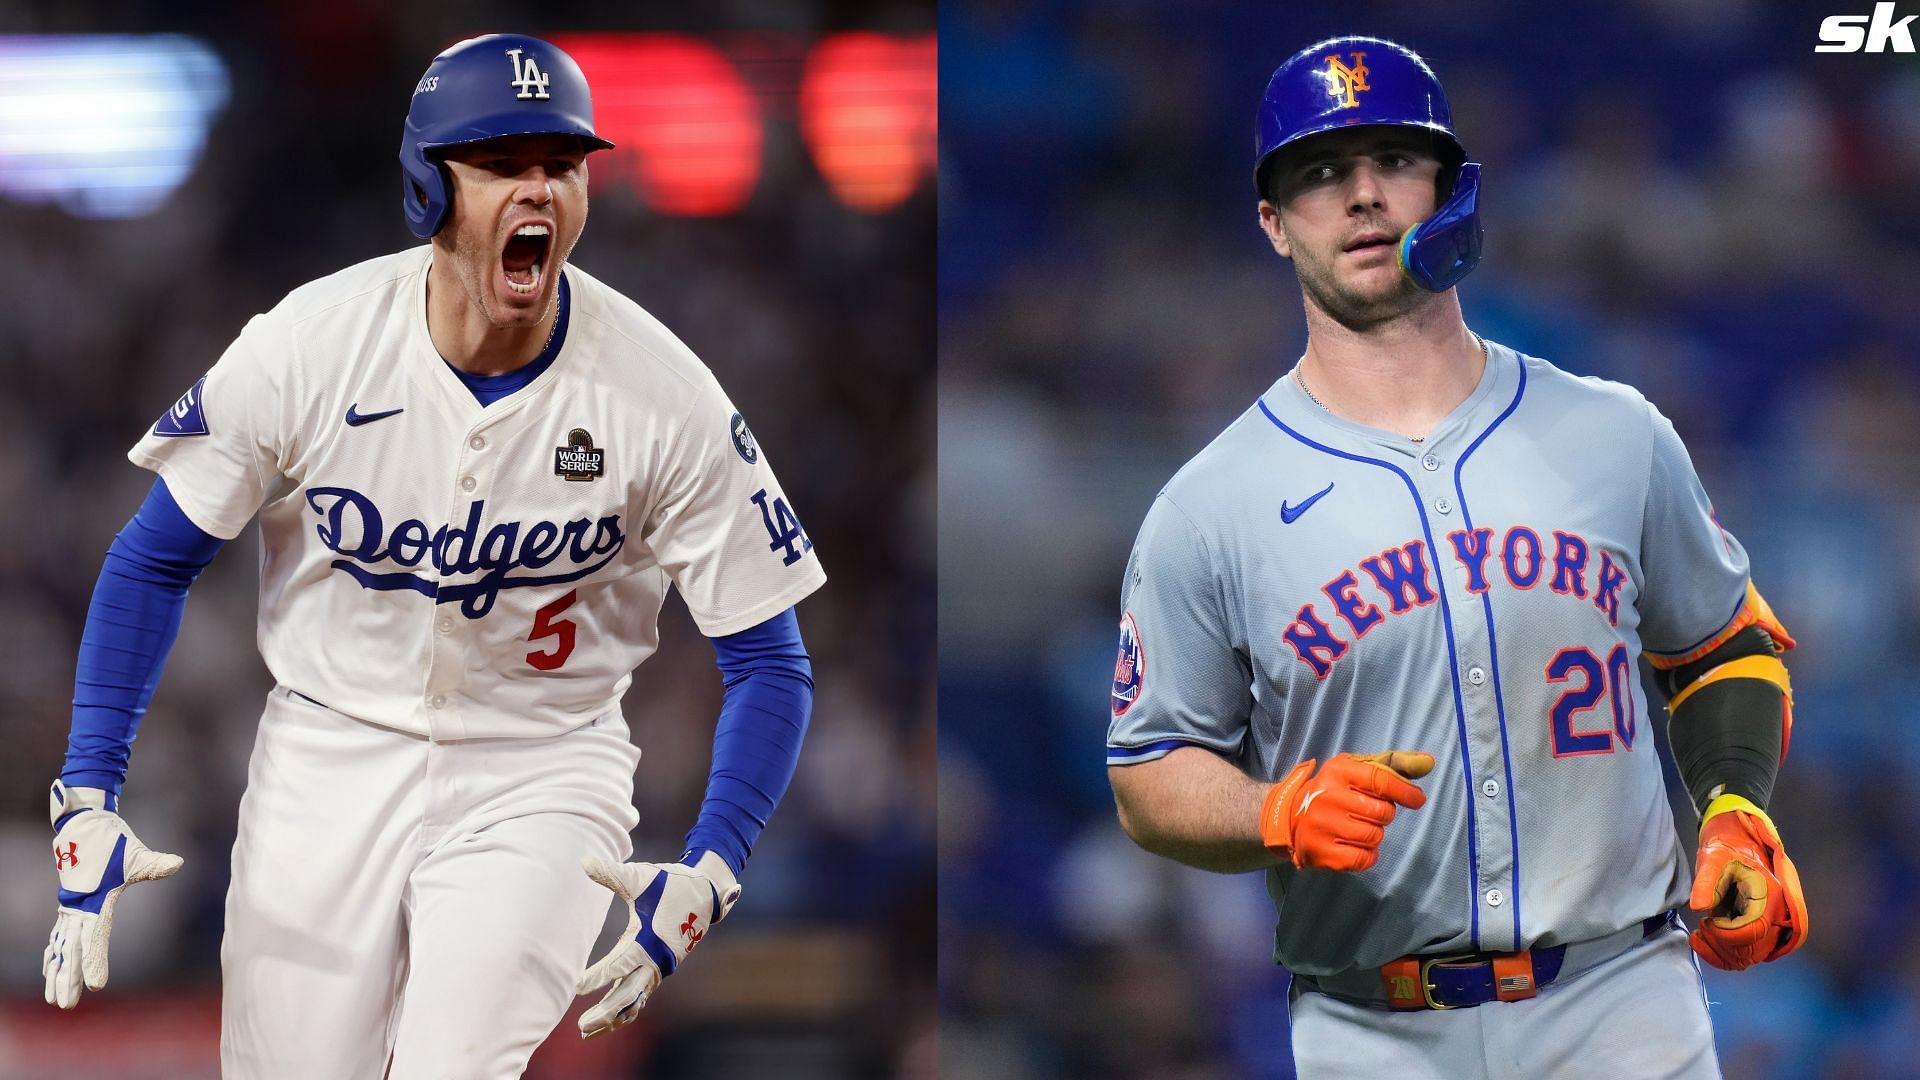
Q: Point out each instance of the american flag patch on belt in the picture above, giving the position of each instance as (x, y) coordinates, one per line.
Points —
(1513, 984)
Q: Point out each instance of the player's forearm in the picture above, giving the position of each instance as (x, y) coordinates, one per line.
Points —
(757, 739)
(1195, 807)
(1732, 711)
(131, 624)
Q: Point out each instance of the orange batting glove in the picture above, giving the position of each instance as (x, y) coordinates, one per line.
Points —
(1334, 820)
(1746, 887)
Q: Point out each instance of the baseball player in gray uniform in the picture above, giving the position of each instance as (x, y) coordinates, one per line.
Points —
(1418, 574)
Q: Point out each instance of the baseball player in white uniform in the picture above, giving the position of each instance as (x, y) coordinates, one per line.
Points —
(1422, 556)
(477, 471)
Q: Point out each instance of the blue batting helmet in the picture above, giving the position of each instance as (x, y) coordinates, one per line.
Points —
(1348, 82)
(486, 88)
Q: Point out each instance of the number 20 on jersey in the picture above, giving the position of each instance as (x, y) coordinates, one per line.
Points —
(1612, 679)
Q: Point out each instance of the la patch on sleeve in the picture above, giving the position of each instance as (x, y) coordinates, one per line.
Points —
(186, 417)
(1129, 670)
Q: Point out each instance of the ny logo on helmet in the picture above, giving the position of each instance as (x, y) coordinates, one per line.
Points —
(527, 78)
(1344, 82)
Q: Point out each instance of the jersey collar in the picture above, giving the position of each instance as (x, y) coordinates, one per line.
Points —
(432, 370)
(1497, 381)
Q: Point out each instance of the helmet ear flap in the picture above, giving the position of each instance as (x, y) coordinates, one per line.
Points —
(1441, 250)
(425, 188)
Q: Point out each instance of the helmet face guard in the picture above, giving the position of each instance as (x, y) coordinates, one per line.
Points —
(486, 88)
(1369, 82)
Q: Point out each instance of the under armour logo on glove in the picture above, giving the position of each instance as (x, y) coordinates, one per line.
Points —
(651, 949)
(90, 887)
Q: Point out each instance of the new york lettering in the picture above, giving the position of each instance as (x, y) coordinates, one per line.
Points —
(1403, 577)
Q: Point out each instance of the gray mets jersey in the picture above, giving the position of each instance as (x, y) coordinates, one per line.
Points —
(1307, 586)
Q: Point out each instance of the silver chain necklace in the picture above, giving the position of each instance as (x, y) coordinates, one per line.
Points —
(1301, 378)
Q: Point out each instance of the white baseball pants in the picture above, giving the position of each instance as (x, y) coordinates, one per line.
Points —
(396, 900)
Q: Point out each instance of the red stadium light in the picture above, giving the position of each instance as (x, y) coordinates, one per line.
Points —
(686, 127)
(867, 111)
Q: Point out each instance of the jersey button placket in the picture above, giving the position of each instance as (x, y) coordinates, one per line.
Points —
(1490, 818)
(469, 467)
(448, 662)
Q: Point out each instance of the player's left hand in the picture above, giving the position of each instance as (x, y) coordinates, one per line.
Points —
(1746, 888)
(674, 905)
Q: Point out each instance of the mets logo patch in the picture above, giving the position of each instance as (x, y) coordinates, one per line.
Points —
(186, 416)
(578, 460)
(1129, 670)
(743, 440)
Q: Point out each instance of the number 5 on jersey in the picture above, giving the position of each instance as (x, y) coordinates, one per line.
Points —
(788, 537)
(547, 625)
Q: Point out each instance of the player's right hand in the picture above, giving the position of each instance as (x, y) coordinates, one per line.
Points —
(97, 856)
(1335, 819)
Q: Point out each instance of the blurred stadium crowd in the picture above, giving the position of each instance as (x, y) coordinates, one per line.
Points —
(817, 317)
(1679, 194)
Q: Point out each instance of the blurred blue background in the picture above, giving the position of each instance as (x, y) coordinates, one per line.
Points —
(771, 202)
(1679, 194)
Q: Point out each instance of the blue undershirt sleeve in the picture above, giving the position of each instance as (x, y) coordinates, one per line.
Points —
(132, 622)
(756, 743)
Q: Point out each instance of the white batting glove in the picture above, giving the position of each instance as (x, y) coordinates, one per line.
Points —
(674, 905)
(97, 856)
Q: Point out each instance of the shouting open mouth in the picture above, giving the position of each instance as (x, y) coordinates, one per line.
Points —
(524, 259)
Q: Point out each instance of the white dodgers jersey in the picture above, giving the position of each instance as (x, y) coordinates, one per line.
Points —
(457, 570)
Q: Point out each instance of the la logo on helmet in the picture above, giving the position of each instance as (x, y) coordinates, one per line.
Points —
(527, 78)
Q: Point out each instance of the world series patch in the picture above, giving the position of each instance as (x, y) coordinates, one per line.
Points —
(1129, 670)
(578, 460)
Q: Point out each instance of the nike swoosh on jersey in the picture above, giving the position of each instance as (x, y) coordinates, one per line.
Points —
(1291, 514)
(355, 419)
